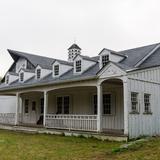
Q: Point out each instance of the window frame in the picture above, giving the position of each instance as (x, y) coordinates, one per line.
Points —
(38, 73)
(134, 102)
(21, 76)
(78, 65)
(56, 70)
(105, 59)
(112, 107)
(7, 79)
(148, 103)
(63, 105)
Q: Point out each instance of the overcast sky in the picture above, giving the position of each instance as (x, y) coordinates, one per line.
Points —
(49, 27)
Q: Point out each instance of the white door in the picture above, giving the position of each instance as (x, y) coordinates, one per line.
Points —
(33, 113)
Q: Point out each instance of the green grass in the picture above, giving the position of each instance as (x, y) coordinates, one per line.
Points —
(20, 146)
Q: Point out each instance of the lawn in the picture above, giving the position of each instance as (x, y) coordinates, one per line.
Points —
(21, 146)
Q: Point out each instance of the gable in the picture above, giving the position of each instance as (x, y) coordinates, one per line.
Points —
(111, 70)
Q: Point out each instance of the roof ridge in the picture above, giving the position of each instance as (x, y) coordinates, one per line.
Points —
(137, 47)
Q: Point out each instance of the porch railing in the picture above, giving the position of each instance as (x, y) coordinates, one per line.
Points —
(7, 118)
(72, 122)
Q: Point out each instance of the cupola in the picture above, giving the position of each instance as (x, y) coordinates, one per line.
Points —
(73, 50)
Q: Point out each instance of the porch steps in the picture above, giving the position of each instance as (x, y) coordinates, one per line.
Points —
(41, 130)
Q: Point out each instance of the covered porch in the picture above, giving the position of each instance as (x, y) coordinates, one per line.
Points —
(98, 108)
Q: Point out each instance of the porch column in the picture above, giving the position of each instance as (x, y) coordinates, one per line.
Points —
(17, 108)
(45, 107)
(125, 97)
(99, 107)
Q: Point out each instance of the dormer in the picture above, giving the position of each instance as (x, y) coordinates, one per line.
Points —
(60, 67)
(21, 63)
(41, 72)
(82, 63)
(25, 74)
(11, 77)
(107, 55)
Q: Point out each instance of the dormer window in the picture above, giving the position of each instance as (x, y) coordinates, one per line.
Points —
(21, 77)
(56, 70)
(78, 66)
(105, 59)
(7, 79)
(38, 73)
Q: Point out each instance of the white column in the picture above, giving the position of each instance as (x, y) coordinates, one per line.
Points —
(99, 107)
(17, 108)
(125, 97)
(45, 107)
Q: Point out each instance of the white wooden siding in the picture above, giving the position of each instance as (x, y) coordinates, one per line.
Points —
(147, 81)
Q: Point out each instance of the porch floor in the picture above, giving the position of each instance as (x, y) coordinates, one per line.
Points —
(34, 129)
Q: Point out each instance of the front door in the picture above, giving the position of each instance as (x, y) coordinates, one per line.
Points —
(33, 114)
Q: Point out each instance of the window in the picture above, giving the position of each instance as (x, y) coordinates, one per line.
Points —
(38, 73)
(21, 77)
(95, 104)
(105, 59)
(78, 66)
(59, 105)
(7, 79)
(26, 105)
(56, 70)
(147, 105)
(107, 104)
(42, 105)
(33, 106)
(63, 104)
(134, 102)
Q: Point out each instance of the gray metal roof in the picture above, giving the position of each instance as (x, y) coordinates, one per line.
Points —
(133, 56)
(136, 54)
(44, 62)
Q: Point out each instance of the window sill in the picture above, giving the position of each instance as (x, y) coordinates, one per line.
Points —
(147, 113)
(134, 112)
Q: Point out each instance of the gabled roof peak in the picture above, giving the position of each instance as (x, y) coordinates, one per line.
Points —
(74, 46)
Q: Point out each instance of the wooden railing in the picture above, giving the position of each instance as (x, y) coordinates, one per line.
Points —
(7, 118)
(72, 122)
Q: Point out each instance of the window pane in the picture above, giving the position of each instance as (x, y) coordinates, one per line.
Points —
(38, 73)
(95, 104)
(134, 101)
(147, 107)
(56, 70)
(66, 105)
(107, 104)
(42, 105)
(59, 105)
(78, 66)
(105, 60)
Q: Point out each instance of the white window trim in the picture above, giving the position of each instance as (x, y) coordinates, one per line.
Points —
(38, 69)
(150, 102)
(70, 103)
(138, 103)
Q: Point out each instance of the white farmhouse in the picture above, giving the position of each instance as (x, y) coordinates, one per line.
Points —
(113, 93)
